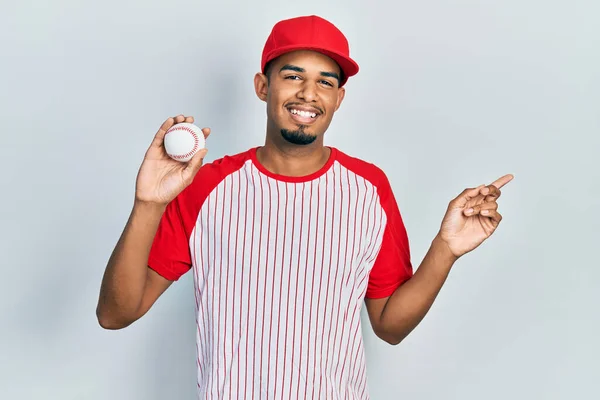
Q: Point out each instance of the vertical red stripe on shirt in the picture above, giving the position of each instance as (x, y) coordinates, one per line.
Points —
(303, 302)
(258, 266)
(253, 218)
(272, 297)
(311, 295)
(279, 310)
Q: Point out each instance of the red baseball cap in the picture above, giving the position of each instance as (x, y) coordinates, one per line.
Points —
(310, 33)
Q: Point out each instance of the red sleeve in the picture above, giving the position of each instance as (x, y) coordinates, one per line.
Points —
(170, 253)
(392, 266)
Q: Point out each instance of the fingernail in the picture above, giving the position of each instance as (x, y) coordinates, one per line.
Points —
(485, 212)
(469, 211)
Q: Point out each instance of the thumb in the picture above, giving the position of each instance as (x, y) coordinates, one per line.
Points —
(463, 198)
(193, 166)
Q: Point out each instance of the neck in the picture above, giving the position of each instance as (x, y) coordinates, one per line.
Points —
(293, 160)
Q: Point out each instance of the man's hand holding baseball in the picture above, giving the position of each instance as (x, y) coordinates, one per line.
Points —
(160, 178)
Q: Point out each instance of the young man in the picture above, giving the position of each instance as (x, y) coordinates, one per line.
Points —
(285, 241)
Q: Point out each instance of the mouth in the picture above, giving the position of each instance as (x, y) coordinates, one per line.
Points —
(303, 115)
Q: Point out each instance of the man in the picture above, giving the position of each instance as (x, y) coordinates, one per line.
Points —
(285, 241)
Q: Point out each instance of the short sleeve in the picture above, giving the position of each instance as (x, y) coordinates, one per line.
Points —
(170, 253)
(392, 265)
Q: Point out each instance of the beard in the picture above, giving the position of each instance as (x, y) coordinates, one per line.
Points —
(298, 136)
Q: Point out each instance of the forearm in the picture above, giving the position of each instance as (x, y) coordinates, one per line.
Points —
(125, 276)
(409, 304)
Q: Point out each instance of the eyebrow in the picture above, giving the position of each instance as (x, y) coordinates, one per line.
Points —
(290, 67)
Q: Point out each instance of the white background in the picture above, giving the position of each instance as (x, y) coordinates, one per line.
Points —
(451, 94)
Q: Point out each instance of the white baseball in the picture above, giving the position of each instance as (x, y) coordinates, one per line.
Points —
(183, 140)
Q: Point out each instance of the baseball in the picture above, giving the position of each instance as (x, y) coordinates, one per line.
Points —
(183, 140)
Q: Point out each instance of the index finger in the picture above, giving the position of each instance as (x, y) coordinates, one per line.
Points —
(503, 180)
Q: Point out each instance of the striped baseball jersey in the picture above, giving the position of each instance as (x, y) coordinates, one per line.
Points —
(281, 266)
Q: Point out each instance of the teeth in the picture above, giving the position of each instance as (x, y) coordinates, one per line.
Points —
(304, 114)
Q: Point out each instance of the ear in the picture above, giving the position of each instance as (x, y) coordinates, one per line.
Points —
(340, 98)
(261, 86)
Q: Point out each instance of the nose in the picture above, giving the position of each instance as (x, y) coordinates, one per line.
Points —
(308, 92)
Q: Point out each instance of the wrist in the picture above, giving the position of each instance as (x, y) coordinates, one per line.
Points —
(442, 250)
(148, 207)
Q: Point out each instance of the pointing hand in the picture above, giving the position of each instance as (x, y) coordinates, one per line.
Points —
(472, 217)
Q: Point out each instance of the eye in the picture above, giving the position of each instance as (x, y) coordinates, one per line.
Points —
(327, 83)
(292, 77)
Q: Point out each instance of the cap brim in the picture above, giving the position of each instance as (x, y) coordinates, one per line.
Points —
(348, 66)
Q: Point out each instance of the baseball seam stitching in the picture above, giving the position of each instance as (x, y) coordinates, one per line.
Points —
(196, 141)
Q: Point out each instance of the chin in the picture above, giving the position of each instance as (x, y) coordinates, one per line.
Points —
(298, 136)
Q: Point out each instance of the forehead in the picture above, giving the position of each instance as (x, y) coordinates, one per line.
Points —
(309, 60)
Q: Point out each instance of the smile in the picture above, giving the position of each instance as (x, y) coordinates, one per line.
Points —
(303, 116)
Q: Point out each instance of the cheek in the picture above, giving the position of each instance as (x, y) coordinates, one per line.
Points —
(274, 99)
(329, 97)
(330, 102)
